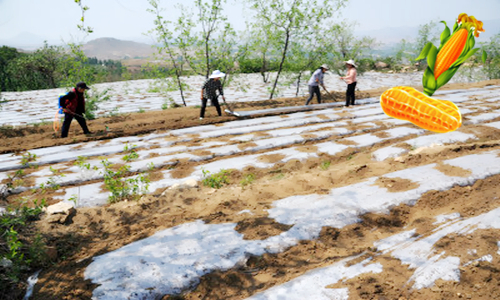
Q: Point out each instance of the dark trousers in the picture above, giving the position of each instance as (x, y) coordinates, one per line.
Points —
(349, 95)
(67, 122)
(313, 90)
(214, 102)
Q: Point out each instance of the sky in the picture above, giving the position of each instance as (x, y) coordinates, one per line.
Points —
(57, 20)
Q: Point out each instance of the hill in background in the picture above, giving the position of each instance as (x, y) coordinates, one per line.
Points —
(111, 48)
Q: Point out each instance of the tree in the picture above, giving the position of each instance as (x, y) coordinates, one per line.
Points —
(7, 55)
(345, 45)
(165, 36)
(213, 43)
(491, 66)
(306, 54)
(260, 44)
(286, 20)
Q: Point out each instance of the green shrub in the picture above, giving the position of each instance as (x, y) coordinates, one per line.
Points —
(249, 178)
(122, 187)
(20, 250)
(93, 101)
(216, 180)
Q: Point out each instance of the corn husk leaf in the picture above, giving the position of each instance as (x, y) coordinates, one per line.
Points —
(431, 56)
(446, 76)
(445, 35)
(428, 81)
(425, 51)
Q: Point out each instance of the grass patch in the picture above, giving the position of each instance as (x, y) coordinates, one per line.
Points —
(215, 180)
(325, 165)
(249, 178)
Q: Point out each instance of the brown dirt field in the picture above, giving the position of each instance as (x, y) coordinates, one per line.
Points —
(95, 231)
(25, 138)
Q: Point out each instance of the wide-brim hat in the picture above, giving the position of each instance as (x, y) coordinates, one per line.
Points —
(351, 62)
(325, 67)
(82, 85)
(217, 74)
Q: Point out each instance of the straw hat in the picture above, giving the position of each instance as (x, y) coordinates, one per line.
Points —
(325, 67)
(217, 74)
(351, 62)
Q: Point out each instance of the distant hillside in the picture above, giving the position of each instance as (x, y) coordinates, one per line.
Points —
(390, 37)
(111, 48)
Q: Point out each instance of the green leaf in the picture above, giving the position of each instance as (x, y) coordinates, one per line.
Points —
(471, 41)
(484, 56)
(429, 82)
(455, 27)
(445, 34)
(446, 76)
(425, 51)
(431, 57)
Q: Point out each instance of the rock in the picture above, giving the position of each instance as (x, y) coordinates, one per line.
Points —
(5, 263)
(191, 183)
(60, 212)
(59, 208)
(381, 65)
(400, 159)
(175, 186)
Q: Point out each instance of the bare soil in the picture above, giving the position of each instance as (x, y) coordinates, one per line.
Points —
(95, 231)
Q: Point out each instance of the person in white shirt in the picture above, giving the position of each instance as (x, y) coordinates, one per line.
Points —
(314, 83)
(350, 79)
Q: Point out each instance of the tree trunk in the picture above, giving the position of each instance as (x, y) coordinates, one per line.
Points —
(263, 69)
(207, 56)
(298, 84)
(281, 63)
(177, 72)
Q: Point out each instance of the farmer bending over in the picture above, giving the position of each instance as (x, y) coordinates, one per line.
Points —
(73, 105)
(314, 83)
(208, 91)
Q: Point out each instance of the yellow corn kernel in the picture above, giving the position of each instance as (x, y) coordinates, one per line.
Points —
(450, 52)
(408, 104)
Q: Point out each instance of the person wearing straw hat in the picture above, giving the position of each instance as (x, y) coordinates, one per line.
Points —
(208, 91)
(350, 79)
(73, 104)
(314, 83)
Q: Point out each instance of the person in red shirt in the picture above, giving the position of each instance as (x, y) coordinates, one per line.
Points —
(73, 105)
(350, 79)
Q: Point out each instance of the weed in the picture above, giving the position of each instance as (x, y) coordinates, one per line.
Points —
(351, 156)
(92, 102)
(132, 155)
(141, 110)
(18, 254)
(249, 178)
(52, 182)
(27, 158)
(122, 187)
(278, 177)
(13, 181)
(325, 165)
(74, 199)
(216, 180)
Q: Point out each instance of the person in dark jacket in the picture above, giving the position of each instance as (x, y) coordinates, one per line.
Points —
(209, 91)
(73, 105)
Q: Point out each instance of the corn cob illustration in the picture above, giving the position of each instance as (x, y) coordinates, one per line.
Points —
(406, 103)
(454, 50)
(436, 115)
